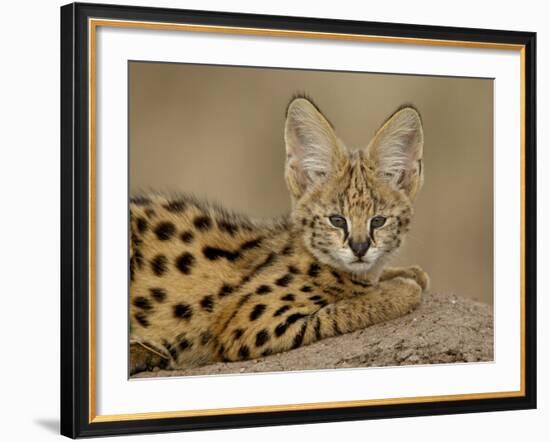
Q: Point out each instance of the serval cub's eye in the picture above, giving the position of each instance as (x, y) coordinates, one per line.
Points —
(338, 221)
(377, 221)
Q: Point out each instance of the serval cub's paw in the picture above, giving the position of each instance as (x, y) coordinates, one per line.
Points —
(411, 293)
(143, 357)
(419, 275)
(413, 272)
(405, 294)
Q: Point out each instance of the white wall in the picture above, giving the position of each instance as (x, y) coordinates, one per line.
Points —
(29, 170)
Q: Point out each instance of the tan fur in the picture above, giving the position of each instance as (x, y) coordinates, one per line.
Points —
(208, 285)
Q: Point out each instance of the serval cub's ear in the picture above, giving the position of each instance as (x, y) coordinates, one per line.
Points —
(313, 150)
(396, 151)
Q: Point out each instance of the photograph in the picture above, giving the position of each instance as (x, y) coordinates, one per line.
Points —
(292, 219)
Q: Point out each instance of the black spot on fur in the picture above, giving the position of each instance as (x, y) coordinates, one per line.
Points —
(288, 297)
(142, 225)
(225, 290)
(321, 303)
(150, 213)
(175, 206)
(257, 311)
(202, 222)
(228, 227)
(267, 352)
(132, 268)
(142, 303)
(287, 250)
(165, 230)
(215, 253)
(317, 328)
(244, 299)
(306, 289)
(187, 237)
(139, 259)
(171, 349)
(284, 280)
(140, 201)
(268, 261)
(158, 294)
(136, 240)
(315, 298)
(185, 262)
(244, 352)
(295, 317)
(294, 270)
(336, 327)
(185, 344)
(332, 290)
(238, 333)
(183, 311)
(261, 290)
(252, 244)
(141, 318)
(281, 310)
(314, 270)
(262, 337)
(338, 277)
(158, 265)
(281, 329)
(299, 338)
(207, 303)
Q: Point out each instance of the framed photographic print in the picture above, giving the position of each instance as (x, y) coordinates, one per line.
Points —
(278, 220)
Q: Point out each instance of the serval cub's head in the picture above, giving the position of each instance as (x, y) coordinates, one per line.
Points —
(353, 206)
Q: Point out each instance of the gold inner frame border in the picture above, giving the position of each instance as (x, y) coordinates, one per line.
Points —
(93, 24)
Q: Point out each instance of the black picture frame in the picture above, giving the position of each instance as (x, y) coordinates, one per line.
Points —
(75, 219)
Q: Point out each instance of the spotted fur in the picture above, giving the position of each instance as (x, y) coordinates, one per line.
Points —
(208, 285)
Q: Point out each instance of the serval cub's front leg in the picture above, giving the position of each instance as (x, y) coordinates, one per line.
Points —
(388, 300)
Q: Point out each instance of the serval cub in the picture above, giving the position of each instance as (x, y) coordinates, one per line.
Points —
(208, 285)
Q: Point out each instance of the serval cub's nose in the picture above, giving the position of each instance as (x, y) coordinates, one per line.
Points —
(359, 248)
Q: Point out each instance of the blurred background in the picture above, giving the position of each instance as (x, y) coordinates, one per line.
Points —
(217, 132)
